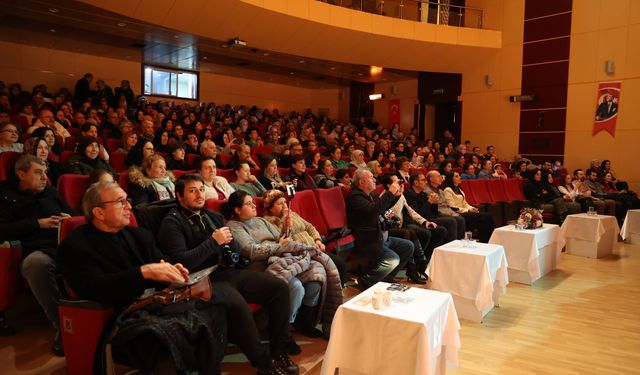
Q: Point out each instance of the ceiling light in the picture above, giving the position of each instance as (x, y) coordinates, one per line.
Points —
(375, 70)
(265, 54)
(302, 61)
(333, 68)
(292, 73)
(376, 96)
(121, 24)
(176, 36)
(52, 30)
(360, 74)
(54, 10)
(204, 57)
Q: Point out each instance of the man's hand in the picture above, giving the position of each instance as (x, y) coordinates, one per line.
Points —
(396, 189)
(165, 272)
(473, 209)
(433, 198)
(319, 245)
(52, 221)
(430, 224)
(284, 240)
(222, 235)
(252, 178)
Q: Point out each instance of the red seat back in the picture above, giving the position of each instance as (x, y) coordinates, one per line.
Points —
(65, 155)
(497, 190)
(261, 150)
(379, 189)
(71, 188)
(179, 172)
(117, 161)
(111, 144)
(514, 190)
(190, 159)
(479, 190)
(7, 163)
(123, 181)
(228, 174)
(304, 204)
(259, 205)
(70, 143)
(468, 193)
(332, 207)
(224, 158)
(20, 121)
(214, 204)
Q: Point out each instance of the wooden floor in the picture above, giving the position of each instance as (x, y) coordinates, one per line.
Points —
(583, 318)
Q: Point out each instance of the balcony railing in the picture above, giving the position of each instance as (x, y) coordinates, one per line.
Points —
(440, 12)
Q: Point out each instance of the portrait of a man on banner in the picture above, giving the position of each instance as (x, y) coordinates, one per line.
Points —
(607, 107)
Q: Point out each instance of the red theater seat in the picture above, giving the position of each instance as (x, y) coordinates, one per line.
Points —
(117, 161)
(7, 163)
(71, 188)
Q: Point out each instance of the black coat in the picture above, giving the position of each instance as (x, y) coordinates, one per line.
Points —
(19, 214)
(539, 192)
(363, 212)
(186, 240)
(420, 203)
(105, 267)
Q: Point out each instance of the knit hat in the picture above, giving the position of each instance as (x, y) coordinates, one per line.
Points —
(83, 143)
(270, 197)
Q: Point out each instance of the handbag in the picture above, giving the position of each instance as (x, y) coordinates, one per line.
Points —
(200, 290)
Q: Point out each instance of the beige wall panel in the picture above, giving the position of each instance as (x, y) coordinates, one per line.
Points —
(585, 16)
(513, 22)
(583, 60)
(320, 12)
(613, 14)
(632, 66)
(634, 12)
(612, 45)
(581, 106)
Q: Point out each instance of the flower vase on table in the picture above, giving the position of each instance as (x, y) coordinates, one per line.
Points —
(530, 218)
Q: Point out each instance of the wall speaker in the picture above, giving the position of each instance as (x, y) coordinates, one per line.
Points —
(394, 90)
(609, 67)
(341, 95)
(488, 80)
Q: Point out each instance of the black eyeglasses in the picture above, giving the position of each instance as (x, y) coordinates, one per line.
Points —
(119, 203)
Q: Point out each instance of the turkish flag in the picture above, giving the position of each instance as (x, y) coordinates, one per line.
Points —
(394, 112)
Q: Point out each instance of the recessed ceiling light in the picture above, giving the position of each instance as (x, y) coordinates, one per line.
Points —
(121, 24)
(266, 54)
(204, 57)
(292, 73)
(176, 36)
(52, 30)
(224, 45)
(360, 74)
(54, 10)
(128, 57)
(333, 68)
(302, 61)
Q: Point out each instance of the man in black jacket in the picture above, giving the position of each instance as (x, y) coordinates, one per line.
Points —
(387, 254)
(198, 238)
(427, 206)
(30, 213)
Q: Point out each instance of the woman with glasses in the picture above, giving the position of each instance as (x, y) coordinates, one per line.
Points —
(151, 182)
(302, 266)
(9, 138)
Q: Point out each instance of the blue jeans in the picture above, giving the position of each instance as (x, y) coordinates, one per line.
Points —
(396, 252)
(307, 294)
(40, 271)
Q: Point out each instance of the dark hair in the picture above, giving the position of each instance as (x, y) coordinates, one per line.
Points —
(296, 158)
(575, 172)
(413, 177)
(386, 180)
(87, 126)
(466, 166)
(400, 161)
(238, 165)
(197, 165)
(184, 179)
(603, 164)
(95, 175)
(589, 171)
(341, 173)
(443, 165)
(39, 132)
(333, 149)
(235, 200)
(532, 173)
(448, 183)
(83, 143)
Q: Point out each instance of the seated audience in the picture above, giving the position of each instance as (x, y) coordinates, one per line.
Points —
(486, 172)
(215, 187)
(299, 176)
(245, 181)
(425, 235)
(9, 138)
(343, 177)
(46, 119)
(151, 182)
(289, 222)
(336, 158)
(128, 141)
(384, 256)
(357, 159)
(112, 263)
(87, 158)
(583, 191)
(614, 207)
(454, 196)
(38, 147)
(142, 150)
(31, 214)
(175, 159)
(304, 268)
(271, 178)
(499, 173)
(570, 194)
(540, 193)
(243, 153)
(162, 141)
(403, 169)
(100, 175)
(469, 172)
(198, 238)
(432, 188)
(325, 177)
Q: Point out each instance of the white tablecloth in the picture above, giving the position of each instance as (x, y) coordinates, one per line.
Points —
(522, 247)
(631, 224)
(405, 338)
(589, 227)
(469, 272)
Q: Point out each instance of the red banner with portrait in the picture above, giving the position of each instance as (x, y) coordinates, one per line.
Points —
(394, 112)
(607, 107)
